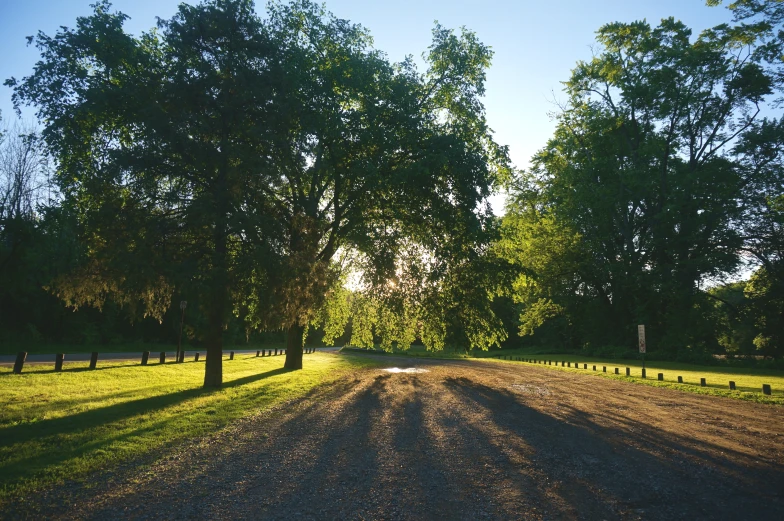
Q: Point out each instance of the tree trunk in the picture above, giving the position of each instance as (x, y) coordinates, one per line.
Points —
(218, 289)
(294, 347)
(213, 368)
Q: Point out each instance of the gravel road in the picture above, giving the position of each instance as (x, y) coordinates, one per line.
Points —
(462, 440)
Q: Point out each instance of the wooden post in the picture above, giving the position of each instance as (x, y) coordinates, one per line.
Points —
(585, 366)
(231, 355)
(616, 370)
(766, 389)
(182, 356)
(163, 357)
(594, 368)
(257, 353)
(660, 377)
(276, 351)
(643, 372)
(680, 379)
(604, 368)
(196, 357)
(58, 361)
(145, 357)
(93, 359)
(21, 356)
(628, 372)
(569, 364)
(732, 385)
(702, 382)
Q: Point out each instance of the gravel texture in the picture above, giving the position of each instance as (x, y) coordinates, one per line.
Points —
(463, 440)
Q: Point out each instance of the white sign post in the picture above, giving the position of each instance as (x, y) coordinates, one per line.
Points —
(641, 343)
(641, 337)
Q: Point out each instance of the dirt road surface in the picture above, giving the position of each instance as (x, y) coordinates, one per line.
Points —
(463, 440)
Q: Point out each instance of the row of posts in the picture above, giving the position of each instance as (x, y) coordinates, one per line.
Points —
(21, 357)
(660, 376)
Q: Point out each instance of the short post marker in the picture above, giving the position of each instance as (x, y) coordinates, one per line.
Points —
(661, 377)
(145, 357)
(766, 389)
(58, 361)
(732, 385)
(93, 359)
(21, 356)
(702, 382)
(680, 379)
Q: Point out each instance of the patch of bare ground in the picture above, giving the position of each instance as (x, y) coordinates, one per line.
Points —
(465, 440)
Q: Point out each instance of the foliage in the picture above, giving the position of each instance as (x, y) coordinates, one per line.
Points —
(638, 186)
(226, 160)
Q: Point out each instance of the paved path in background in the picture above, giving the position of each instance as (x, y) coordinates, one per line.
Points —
(125, 357)
(463, 440)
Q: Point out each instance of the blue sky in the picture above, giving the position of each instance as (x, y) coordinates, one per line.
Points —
(536, 43)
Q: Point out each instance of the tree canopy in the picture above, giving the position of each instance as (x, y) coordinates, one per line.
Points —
(226, 159)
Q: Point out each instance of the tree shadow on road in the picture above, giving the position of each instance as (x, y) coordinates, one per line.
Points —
(598, 470)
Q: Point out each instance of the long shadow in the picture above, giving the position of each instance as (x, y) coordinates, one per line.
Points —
(354, 460)
(295, 459)
(597, 467)
(113, 413)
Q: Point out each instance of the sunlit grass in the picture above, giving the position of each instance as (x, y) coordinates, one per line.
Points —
(748, 381)
(55, 426)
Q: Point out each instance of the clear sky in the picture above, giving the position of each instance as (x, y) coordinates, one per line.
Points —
(536, 43)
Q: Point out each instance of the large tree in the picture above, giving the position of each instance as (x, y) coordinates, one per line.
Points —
(162, 144)
(383, 160)
(641, 179)
(227, 160)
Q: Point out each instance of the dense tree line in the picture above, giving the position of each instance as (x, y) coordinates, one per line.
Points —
(661, 178)
(281, 175)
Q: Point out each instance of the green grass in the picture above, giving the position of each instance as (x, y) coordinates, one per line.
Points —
(57, 426)
(748, 381)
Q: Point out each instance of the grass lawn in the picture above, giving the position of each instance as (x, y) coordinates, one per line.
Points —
(748, 381)
(56, 426)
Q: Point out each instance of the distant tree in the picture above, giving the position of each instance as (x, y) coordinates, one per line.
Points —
(766, 302)
(640, 177)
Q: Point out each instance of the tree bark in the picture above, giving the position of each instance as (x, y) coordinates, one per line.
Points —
(218, 291)
(294, 347)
